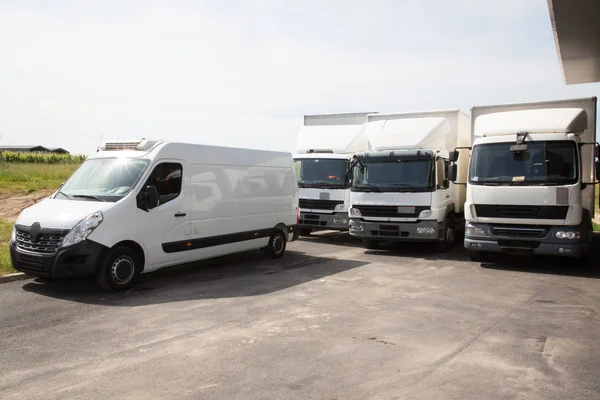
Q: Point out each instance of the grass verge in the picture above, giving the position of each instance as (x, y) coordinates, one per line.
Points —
(5, 232)
(21, 179)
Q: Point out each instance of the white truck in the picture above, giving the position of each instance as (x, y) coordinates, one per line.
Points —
(325, 145)
(399, 190)
(531, 179)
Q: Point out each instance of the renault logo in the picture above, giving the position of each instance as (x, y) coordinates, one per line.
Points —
(34, 232)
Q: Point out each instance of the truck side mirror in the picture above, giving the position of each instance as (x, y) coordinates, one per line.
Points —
(453, 156)
(451, 172)
(151, 197)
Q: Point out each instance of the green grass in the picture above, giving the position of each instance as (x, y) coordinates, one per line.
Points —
(5, 232)
(19, 179)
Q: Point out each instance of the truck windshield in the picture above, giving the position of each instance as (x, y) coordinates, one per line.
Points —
(321, 172)
(408, 175)
(103, 179)
(543, 163)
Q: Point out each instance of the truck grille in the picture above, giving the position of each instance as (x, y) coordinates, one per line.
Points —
(46, 244)
(389, 211)
(514, 211)
(520, 231)
(319, 204)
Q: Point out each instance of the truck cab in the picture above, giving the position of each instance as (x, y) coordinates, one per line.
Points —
(325, 146)
(399, 190)
(531, 179)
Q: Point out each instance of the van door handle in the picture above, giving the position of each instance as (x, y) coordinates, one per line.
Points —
(180, 214)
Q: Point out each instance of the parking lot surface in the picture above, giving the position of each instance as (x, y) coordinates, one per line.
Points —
(330, 320)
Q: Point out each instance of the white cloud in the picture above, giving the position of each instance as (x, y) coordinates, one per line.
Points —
(244, 73)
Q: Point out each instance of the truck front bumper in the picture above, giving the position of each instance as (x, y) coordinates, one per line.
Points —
(521, 242)
(419, 231)
(337, 221)
(78, 260)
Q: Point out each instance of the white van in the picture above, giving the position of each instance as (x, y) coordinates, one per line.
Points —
(137, 206)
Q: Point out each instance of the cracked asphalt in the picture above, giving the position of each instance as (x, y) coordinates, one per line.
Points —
(328, 321)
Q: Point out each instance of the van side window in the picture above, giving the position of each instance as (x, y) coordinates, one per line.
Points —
(167, 179)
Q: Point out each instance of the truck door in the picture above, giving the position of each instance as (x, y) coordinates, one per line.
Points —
(164, 230)
(442, 197)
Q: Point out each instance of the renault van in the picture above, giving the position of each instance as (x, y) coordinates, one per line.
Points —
(137, 206)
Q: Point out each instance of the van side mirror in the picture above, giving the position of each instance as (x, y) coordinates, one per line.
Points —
(451, 172)
(453, 156)
(151, 197)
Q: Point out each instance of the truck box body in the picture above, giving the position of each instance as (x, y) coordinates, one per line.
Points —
(523, 200)
(402, 195)
(324, 147)
(168, 202)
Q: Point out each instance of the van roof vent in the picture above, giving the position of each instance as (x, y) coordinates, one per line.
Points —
(136, 145)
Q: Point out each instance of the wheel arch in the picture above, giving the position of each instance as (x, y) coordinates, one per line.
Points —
(135, 247)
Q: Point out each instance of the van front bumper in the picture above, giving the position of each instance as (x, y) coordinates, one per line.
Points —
(337, 221)
(75, 261)
(418, 231)
(546, 244)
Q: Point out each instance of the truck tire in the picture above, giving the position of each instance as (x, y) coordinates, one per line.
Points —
(446, 241)
(478, 256)
(277, 245)
(304, 231)
(370, 244)
(120, 269)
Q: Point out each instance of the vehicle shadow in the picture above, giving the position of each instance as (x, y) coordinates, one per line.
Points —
(335, 238)
(238, 275)
(426, 251)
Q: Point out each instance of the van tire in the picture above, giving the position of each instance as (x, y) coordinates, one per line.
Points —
(448, 236)
(370, 244)
(277, 245)
(120, 269)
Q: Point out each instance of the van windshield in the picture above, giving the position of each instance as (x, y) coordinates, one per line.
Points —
(543, 163)
(103, 179)
(321, 172)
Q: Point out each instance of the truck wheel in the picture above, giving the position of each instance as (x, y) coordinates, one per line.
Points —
(478, 256)
(304, 231)
(446, 241)
(370, 244)
(120, 269)
(276, 246)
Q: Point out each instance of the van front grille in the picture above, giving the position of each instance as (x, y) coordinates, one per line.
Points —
(46, 243)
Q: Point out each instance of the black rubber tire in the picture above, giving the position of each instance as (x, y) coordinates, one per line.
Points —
(370, 244)
(277, 245)
(120, 270)
(304, 231)
(478, 256)
(446, 242)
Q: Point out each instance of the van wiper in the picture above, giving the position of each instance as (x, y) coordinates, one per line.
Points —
(87, 196)
(64, 194)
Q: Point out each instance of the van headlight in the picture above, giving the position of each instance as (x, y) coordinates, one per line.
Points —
(339, 207)
(83, 229)
(13, 235)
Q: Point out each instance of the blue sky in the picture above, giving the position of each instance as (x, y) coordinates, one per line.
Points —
(243, 73)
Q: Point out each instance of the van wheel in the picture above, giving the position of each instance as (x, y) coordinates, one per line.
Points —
(370, 244)
(120, 269)
(276, 246)
(445, 243)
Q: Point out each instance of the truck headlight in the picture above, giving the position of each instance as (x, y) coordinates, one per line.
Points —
(425, 214)
(570, 235)
(474, 231)
(13, 235)
(83, 229)
(355, 212)
(339, 207)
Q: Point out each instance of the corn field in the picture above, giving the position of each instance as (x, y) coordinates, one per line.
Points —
(40, 158)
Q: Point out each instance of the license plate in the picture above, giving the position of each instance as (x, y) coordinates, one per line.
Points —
(406, 210)
(323, 196)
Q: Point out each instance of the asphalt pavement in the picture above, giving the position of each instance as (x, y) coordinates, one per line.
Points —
(329, 320)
